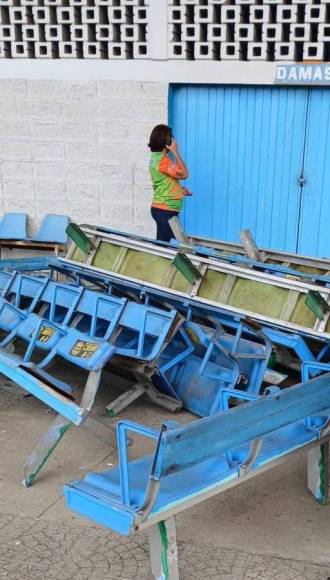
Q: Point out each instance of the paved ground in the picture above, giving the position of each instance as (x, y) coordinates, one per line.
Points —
(269, 528)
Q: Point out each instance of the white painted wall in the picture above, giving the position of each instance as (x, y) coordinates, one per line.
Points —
(79, 148)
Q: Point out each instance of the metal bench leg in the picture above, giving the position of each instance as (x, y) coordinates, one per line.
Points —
(44, 449)
(90, 390)
(58, 428)
(125, 399)
(140, 388)
(318, 466)
(162, 400)
(163, 550)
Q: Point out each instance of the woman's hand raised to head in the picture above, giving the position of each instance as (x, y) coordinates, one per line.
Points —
(174, 148)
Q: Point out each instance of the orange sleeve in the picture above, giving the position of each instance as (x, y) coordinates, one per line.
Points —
(169, 167)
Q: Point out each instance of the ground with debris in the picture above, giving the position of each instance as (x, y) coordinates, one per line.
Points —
(269, 528)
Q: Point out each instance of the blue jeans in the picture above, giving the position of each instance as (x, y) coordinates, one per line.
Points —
(161, 217)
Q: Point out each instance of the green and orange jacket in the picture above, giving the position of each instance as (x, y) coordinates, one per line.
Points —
(168, 193)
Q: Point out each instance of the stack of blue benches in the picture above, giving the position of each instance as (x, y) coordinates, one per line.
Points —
(245, 430)
(42, 320)
(207, 360)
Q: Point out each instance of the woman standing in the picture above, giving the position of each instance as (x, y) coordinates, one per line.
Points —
(165, 174)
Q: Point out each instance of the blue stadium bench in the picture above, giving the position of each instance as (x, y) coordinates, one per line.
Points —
(137, 331)
(195, 462)
(290, 341)
(293, 342)
(140, 330)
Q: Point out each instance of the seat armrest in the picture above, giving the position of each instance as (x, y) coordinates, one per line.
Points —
(307, 369)
(122, 428)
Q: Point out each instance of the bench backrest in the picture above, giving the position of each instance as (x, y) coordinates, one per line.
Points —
(142, 330)
(98, 308)
(52, 229)
(155, 321)
(99, 304)
(13, 226)
(182, 447)
(58, 297)
(22, 287)
(6, 279)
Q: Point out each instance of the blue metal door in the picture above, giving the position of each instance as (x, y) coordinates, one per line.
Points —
(314, 222)
(249, 151)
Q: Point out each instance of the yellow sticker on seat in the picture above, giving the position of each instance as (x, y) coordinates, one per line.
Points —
(45, 333)
(83, 349)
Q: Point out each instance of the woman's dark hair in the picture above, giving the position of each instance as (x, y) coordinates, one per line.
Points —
(161, 135)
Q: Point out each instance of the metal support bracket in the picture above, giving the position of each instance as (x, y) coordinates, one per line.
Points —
(250, 246)
(253, 454)
(177, 230)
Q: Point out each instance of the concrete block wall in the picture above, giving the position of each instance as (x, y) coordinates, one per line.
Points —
(79, 149)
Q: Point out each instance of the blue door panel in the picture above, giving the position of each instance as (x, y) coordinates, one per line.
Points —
(314, 236)
(244, 150)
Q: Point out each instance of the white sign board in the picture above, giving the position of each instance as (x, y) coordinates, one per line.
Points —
(303, 74)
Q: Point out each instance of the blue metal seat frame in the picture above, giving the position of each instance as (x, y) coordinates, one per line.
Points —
(60, 303)
(142, 333)
(213, 361)
(97, 314)
(198, 373)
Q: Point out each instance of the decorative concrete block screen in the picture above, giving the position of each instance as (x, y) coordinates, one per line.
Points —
(246, 30)
(109, 29)
(267, 30)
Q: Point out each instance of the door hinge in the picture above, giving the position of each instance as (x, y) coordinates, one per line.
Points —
(302, 180)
